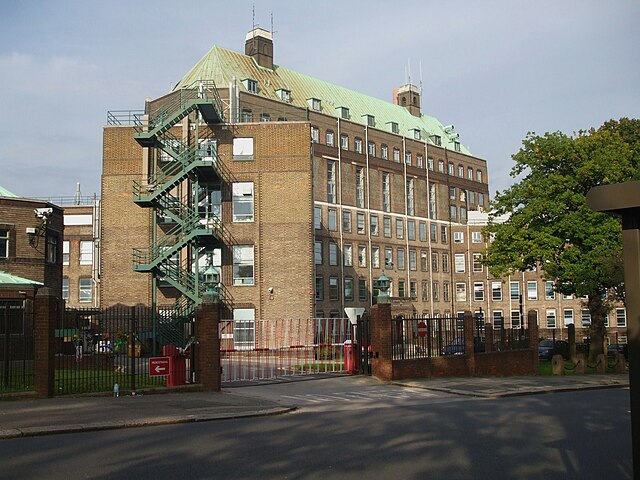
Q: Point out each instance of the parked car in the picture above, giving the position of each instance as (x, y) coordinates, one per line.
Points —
(547, 348)
(615, 348)
(454, 348)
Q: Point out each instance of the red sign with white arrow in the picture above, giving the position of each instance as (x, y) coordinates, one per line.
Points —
(422, 329)
(158, 366)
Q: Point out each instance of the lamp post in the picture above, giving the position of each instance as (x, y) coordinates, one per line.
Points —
(212, 282)
(382, 284)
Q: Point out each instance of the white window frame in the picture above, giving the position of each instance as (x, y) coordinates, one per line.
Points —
(243, 148)
(243, 202)
(85, 290)
(65, 252)
(243, 258)
(86, 252)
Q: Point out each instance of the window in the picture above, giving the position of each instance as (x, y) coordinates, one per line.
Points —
(451, 169)
(514, 289)
(469, 173)
(86, 252)
(85, 290)
(460, 171)
(410, 198)
(4, 243)
(423, 260)
(344, 113)
(315, 135)
(331, 181)
(65, 288)
(425, 291)
(430, 163)
(460, 263)
(463, 213)
(481, 199)
(422, 231)
(244, 328)
(333, 288)
(452, 193)
(435, 291)
(479, 176)
(446, 291)
(373, 224)
(441, 166)
(401, 259)
(399, 228)
(453, 212)
(551, 318)
(532, 290)
(52, 248)
(285, 95)
(247, 115)
(362, 290)
(478, 291)
(317, 218)
(586, 318)
(243, 264)
(386, 226)
(251, 85)
(388, 257)
(347, 254)
(319, 288)
(515, 319)
(317, 253)
(433, 232)
(549, 291)
(396, 155)
(458, 237)
(401, 292)
(315, 104)
(344, 142)
(360, 223)
(362, 255)
(407, 158)
(413, 290)
(434, 261)
(242, 202)
(456, 147)
(621, 317)
(329, 138)
(419, 160)
(384, 152)
(445, 262)
(65, 252)
(346, 221)
(433, 213)
(359, 187)
(461, 292)
(371, 149)
(371, 120)
(443, 233)
(436, 139)
(568, 316)
(348, 288)
(243, 148)
(386, 193)
(472, 197)
(411, 229)
(477, 262)
(394, 127)
(476, 237)
(265, 117)
(375, 256)
(413, 260)
(498, 321)
(333, 220)
(333, 253)
(496, 291)
(357, 145)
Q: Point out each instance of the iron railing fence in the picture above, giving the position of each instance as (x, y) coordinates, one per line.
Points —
(16, 346)
(97, 349)
(505, 339)
(269, 349)
(426, 337)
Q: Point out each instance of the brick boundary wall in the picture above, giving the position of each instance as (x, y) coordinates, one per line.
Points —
(46, 310)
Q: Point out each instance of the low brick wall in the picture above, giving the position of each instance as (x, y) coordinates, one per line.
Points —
(515, 362)
(449, 366)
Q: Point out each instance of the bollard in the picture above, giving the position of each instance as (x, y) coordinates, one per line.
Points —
(557, 364)
(601, 363)
(580, 363)
(621, 363)
(116, 390)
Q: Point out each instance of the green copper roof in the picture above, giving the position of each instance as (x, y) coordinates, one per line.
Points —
(8, 279)
(6, 193)
(222, 66)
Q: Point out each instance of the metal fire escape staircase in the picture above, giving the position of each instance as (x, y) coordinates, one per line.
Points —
(189, 229)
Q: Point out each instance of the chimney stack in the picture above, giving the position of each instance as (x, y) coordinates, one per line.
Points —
(259, 45)
(409, 97)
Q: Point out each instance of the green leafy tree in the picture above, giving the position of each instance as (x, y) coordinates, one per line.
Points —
(549, 224)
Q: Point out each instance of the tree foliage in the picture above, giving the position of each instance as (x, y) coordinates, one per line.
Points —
(549, 223)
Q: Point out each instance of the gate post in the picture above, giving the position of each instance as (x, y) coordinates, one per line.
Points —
(381, 340)
(208, 338)
(45, 310)
(469, 342)
(532, 325)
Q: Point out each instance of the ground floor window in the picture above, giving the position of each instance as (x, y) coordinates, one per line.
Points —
(244, 328)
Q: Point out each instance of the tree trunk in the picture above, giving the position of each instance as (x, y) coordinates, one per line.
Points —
(597, 330)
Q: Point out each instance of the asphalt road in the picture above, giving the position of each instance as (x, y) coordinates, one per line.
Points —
(375, 431)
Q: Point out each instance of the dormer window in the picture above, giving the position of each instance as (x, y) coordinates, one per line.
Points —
(456, 146)
(370, 119)
(437, 140)
(393, 126)
(416, 134)
(314, 104)
(285, 95)
(343, 112)
(251, 85)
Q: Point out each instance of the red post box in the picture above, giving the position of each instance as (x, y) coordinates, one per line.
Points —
(350, 360)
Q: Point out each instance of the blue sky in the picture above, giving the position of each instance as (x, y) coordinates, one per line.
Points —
(496, 69)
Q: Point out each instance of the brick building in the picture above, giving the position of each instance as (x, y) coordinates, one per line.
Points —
(31, 234)
(289, 194)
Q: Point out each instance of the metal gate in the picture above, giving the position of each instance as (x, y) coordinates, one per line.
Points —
(270, 349)
(363, 341)
(16, 346)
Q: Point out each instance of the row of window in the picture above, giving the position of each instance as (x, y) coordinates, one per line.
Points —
(51, 245)
(585, 317)
(85, 256)
(85, 289)
(358, 146)
(348, 289)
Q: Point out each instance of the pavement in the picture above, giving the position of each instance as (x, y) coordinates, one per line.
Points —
(69, 414)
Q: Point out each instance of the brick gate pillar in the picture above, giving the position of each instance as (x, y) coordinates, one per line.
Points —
(208, 337)
(46, 310)
(381, 342)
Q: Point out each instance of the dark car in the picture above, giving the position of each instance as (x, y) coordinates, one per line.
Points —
(548, 348)
(454, 348)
